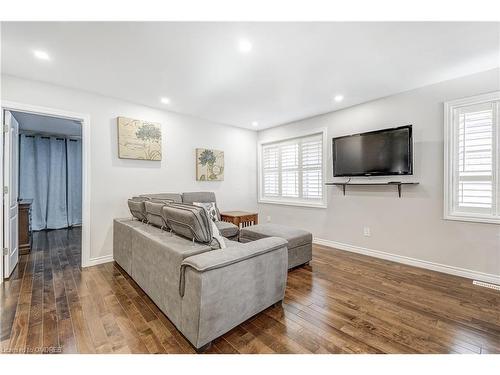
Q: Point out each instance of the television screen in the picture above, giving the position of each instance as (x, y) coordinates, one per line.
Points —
(379, 153)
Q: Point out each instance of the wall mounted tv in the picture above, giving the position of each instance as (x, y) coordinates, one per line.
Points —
(385, 152)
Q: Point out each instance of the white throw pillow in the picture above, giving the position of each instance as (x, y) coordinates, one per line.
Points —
(216, 234)
(210, 208)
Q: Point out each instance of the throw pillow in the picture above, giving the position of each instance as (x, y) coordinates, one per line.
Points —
(216, 234)
(210, 208)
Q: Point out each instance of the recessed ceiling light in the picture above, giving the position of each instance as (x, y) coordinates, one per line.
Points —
(244, 46)
(42, 55)
(338, 98)
(255, 123)
(165, 100)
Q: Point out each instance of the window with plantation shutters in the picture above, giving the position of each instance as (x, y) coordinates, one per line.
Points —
(291, 171)
(472, 188)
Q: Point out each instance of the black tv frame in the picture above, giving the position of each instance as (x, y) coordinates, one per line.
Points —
(410, 151)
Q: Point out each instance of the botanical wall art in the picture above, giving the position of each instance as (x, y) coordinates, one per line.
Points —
(209, 165)
(139, 139)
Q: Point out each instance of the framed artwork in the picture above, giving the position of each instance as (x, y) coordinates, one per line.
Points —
(139, 139)
(209, 165)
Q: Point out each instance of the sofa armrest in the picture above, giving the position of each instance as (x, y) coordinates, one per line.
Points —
(223, 288)
(233, 254)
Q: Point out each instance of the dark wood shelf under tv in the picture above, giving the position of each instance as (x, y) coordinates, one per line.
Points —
(396, 183)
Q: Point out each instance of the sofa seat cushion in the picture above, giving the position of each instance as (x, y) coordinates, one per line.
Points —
(295, 237)
(227, 230)
(129, 234)
(172, 242)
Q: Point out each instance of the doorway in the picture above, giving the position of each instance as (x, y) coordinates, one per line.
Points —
(45, 174)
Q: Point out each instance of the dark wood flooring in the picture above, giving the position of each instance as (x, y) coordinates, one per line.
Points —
(341, 303)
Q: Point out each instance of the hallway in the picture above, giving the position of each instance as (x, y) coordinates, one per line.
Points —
(39, 295)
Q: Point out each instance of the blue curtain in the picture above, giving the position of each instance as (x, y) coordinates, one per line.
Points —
(50, 174)
(74, 161)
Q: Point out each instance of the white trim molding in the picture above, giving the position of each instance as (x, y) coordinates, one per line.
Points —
(1, 200)
(450, 212)
(451, 270)
(99, 260)
(86, 187)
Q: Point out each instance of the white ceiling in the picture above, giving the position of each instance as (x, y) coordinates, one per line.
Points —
(293, 70)
(46, 124)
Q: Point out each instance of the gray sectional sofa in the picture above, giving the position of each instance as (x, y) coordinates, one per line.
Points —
(204, 291)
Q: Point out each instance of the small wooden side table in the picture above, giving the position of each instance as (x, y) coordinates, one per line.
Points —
(241, 219)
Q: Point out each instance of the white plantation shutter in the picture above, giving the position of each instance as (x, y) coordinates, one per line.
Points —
(270, 162)
(289, 154)
(312, 168)
(475, 157)
(292, 170)
(271, 184)
(473, 160)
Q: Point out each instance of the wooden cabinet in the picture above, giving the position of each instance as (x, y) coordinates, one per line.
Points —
(24, 218)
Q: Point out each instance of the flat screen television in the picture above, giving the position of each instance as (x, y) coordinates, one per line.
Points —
(385, 152)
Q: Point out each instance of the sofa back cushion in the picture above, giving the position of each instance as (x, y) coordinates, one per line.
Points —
(137, 207)
(165, 196)
(153, 212)
(188, 221)
(198, 196)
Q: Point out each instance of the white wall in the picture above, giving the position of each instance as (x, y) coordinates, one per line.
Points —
(413, 225)
(113, 180)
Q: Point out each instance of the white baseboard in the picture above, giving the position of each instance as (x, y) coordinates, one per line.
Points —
(457, 271)
(99, 260)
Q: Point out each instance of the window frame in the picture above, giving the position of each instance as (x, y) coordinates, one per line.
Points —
(450, 145)
(288, 201)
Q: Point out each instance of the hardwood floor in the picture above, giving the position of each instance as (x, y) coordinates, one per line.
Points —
(341, 303)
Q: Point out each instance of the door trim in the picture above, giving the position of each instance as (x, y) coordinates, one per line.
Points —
(10, 199)
(1, 200)
(85, 123)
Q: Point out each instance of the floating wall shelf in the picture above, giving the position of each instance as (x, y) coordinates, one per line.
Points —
(398, 184)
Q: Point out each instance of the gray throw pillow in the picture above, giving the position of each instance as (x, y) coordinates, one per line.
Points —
(210, 208)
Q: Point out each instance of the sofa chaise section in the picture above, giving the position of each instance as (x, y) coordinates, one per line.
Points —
(299, 242)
